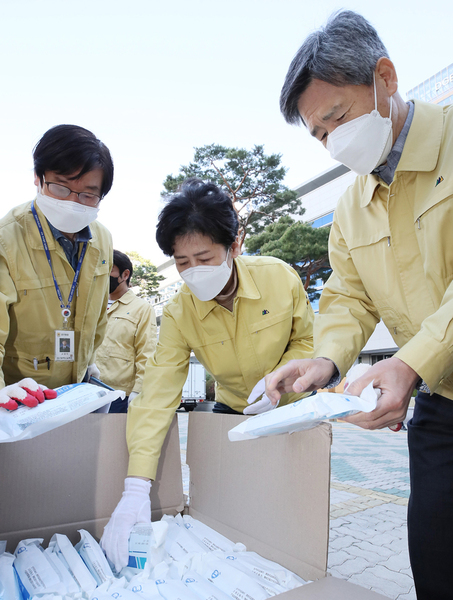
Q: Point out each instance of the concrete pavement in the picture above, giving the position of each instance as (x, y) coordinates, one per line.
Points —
(369, 496)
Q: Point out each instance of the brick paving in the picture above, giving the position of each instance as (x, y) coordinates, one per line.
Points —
(368, 504)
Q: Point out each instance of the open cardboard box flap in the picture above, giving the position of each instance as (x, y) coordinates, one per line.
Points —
(272, 494)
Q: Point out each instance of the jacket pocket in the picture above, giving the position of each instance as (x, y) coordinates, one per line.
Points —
(433, 227)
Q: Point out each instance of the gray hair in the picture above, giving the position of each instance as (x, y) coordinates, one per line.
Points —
(344, 52)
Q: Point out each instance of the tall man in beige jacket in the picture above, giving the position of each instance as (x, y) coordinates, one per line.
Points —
(130, 338)
(391, 251)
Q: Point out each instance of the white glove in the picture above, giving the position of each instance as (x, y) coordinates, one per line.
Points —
(27, 392)
(93, 371)
(134, 507)
(357, 371)
(262, 405)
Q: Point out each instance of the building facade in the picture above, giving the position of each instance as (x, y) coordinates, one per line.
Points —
(438, 89)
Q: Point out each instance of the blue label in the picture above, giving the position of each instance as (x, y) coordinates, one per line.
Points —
(215, 574)
(22, 589)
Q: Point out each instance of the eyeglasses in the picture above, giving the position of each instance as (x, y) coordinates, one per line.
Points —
(61, 191)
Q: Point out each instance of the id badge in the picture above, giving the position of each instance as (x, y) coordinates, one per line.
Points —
(64, 345)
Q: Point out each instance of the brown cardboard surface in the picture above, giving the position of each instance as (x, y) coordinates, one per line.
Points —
(331, 588)
(272, 493)
(72, 477)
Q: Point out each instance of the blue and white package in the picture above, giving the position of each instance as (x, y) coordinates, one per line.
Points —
(304, 414)
(61, 546)
(35, 573)
(9, 589)
(147, 544)
(93, 557)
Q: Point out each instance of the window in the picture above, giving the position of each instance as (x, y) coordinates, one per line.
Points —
(322, 221)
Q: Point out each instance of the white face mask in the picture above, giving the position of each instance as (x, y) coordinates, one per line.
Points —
(207, 281)
(66, 216)
(363, 143)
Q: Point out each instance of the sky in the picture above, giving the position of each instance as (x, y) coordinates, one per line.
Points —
(154, 79)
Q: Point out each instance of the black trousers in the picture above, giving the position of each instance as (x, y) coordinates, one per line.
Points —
(224, 409)
(119, 405)
(430, 510)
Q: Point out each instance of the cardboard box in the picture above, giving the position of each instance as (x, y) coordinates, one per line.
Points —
(272, 494)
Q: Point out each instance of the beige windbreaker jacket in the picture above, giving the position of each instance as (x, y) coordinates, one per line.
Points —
(391, 250)
(29, 307)
(130, 339)
(271, 323)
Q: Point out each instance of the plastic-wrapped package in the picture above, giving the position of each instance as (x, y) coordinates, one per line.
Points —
(209, 537)
(36, 573)
(93, 557)
(202, 587)
(73, 401)
(61, 546)
(179, 541)
(9, 589)
(174, 590)
(228, 579)
(304, 414)
(147, 544)
(269, 571)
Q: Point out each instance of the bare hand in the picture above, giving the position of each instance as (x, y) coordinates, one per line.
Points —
(396, 381)
(299, 376)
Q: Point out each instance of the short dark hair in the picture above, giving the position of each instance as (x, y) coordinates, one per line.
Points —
(123, 262)
(69, 149)
(344, 52)
(197, 207)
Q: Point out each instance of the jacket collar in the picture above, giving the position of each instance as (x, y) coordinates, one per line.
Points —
(125, 299)
(246, 289)
(421, 150)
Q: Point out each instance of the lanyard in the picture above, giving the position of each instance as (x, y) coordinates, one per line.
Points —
(66, 311)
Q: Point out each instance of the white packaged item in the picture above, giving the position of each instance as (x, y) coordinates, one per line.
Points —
(61, 545)
(146, 544)
(93, 557)
(174, 590)
(70, 584)
(72, 402)
(271, 572)
(144, 587)
(209, 537)
(179, 542)
(113, 590)
(9, 589)
(36, 573)
(227, 578)
(272, 587)
(304, 414)
(202, 587)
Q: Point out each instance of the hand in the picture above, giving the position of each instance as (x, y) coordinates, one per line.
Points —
(93, 371)
(262, 405)
(396, 381)
(134, 507)
(27, 392)
(299, 376)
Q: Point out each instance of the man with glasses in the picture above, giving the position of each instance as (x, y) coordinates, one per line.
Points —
(55, 262)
